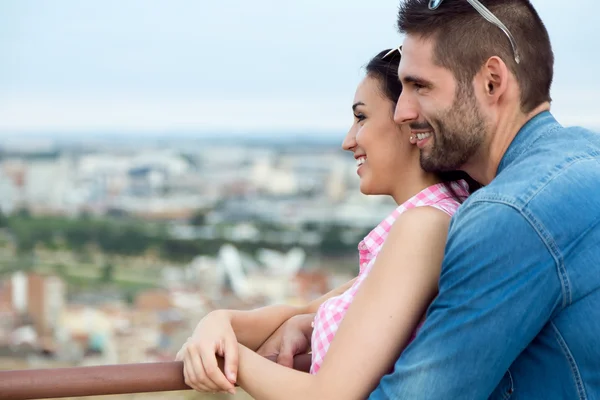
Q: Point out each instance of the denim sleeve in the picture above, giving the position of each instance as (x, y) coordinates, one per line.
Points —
(498, 288)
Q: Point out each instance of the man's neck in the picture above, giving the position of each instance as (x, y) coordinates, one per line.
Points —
(484, 166)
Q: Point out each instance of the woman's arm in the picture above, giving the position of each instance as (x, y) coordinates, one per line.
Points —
(220, 332)
(252, 328)
(378, 325)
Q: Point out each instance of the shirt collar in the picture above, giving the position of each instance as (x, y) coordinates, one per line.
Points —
(529, 133)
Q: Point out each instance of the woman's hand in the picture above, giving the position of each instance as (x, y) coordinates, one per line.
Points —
(213, 336)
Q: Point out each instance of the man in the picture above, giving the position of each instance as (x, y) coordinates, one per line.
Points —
(518, 309)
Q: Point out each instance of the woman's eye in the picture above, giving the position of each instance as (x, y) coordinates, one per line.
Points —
(359, 117)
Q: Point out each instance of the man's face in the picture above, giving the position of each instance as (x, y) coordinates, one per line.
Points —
(444, 115)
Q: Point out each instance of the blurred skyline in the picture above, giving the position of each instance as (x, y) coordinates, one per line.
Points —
(226, 67)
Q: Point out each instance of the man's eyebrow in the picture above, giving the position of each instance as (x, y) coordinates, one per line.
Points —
(360, 103)
(413, 79)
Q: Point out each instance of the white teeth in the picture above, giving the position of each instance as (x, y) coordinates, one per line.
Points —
(422, 136)
(360, 161)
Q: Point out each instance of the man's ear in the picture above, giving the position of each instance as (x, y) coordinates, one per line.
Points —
(495, 76)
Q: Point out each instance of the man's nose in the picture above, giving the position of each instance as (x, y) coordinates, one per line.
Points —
(406, 110)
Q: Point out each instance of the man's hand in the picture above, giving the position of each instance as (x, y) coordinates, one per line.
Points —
(290, 339)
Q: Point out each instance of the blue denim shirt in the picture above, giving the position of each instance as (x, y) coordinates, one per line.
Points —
(518, 310)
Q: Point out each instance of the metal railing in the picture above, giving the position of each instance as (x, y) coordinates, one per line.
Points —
(101, 380)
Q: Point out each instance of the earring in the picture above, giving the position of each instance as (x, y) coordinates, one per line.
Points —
(412, 138)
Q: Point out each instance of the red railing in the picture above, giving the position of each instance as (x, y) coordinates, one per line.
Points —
(100, 380)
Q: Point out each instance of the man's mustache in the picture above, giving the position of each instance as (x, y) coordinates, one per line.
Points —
(419, 126)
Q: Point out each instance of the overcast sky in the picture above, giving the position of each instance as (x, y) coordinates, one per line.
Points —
(228, 65)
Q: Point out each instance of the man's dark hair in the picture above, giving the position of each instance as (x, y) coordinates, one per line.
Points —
(464, 41)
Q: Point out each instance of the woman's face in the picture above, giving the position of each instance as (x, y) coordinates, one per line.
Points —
(382, 149)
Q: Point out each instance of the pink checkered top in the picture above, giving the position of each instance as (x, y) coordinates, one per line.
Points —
(332, 311)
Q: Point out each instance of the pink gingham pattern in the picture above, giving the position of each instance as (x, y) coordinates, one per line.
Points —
(331, 312)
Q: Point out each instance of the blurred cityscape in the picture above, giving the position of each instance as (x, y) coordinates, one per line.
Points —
(112, 249)
(113, 246)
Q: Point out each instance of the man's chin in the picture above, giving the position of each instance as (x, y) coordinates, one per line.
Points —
(429, 165)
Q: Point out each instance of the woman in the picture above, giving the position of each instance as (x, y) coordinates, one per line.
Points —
(400, 263)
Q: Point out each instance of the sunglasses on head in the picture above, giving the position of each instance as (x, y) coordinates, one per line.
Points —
(487, 14)
(392, 51)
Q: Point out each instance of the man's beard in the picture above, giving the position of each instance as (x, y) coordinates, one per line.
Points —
(458, 134)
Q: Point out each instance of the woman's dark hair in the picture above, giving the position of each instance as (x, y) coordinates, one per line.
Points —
(384, 68)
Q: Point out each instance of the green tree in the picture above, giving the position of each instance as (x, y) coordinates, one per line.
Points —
(4, 223)
(332, 244)
(108, 271)
(24, 213)
(61, 269)
(198, 219)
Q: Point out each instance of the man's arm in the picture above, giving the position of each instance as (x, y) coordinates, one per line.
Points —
(498, 287)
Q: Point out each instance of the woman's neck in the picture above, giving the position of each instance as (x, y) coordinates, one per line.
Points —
(411, 187)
